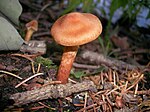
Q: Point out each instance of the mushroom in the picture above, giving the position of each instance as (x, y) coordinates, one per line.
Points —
(72, 30)
(32, 26)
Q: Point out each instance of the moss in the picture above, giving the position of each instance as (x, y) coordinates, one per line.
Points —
(45, 62)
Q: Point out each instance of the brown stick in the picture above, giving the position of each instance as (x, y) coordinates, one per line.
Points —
(51, 91)
(110, 62)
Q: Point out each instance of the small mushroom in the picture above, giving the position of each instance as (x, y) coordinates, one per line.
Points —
(72, 30)
(32, 26)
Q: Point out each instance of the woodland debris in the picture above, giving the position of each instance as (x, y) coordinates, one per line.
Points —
(51, 91)
(11, 74)
(35, 75)
(121, 43)
(84, 66)
(100, 59)
(34, 46)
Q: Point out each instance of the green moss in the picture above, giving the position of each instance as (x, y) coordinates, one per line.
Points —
(45, 62)
(78, 74)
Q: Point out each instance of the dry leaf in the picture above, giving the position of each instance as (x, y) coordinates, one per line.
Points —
(120, 42)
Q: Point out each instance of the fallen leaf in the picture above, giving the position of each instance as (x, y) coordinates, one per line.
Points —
(122, 43)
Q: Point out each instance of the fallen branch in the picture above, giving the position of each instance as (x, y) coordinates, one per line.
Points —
(85, 66)
(51, 91)
(107, 61)
(34, 46)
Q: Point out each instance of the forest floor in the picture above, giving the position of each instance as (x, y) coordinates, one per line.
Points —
(118, 82)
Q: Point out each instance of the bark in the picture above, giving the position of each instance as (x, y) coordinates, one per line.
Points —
(51, 91)
(34, 46)
(100, 59)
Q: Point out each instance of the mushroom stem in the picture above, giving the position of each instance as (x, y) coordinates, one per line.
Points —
(28, 35)
(66, 63)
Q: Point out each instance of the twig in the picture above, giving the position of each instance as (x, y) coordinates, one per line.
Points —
(38, 69)
(51, 91)
(85, 101)
(118, 87)
(33, 69)
(104, 105)
(14, 75)
(102, 77)
(111, 103)
(84, 66)
(42, 9)
(52, 82)
(110, 62)
(135, 82)
(43, 105)
(35, 75)
(110, 107)
(36, 108)
(72, 81)
(90, 106)
(32, 66)
(24, 56)
(136, 89)
(34, 47)
(114, 77)
(110, 75)
(123, 90)
(99, 92)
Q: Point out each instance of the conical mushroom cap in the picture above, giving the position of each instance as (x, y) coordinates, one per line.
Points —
(75, 29)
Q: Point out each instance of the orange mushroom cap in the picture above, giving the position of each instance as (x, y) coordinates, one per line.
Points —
(32, 25)
(75, 29)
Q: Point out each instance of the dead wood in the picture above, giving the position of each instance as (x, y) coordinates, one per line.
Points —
(115, 64)
(85, 66)
(34, 46)
(51, 91)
